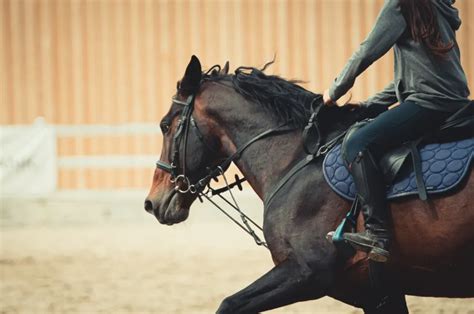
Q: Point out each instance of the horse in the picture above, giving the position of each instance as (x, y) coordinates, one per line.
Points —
(433, 241)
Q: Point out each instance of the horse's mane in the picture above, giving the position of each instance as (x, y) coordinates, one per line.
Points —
(288, 101)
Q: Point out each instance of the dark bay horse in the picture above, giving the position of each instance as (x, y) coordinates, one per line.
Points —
(433, 246)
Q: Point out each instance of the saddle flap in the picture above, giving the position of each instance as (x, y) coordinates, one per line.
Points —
(392, 162)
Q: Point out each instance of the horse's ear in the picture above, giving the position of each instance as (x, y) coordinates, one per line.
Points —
(192, 78)
(225, 69)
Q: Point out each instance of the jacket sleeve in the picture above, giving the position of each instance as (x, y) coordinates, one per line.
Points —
(389, 26)
(385, 98)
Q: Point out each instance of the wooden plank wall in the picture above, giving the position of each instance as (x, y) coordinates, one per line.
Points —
(78, 62)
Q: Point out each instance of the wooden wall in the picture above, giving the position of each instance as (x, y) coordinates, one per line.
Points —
(96, 63)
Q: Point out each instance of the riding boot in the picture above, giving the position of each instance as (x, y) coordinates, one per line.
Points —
(371, 192)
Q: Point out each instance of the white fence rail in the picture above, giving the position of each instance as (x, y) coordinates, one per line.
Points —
(29, 161)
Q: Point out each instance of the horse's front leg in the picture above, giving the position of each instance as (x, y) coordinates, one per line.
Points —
(286, 283)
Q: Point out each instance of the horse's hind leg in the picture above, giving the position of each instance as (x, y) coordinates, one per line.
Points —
(390, 304)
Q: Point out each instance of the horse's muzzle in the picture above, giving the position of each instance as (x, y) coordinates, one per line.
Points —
(148, 206)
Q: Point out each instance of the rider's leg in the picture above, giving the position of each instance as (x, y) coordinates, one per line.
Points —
(362, 151)
(371, 192)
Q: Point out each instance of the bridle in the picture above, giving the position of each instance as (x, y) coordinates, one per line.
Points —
(177, 168)
(181, 136)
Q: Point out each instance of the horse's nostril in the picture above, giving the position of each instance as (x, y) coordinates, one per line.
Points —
(149, 206)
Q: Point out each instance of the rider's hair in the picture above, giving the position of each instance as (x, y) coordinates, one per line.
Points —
(422, 21)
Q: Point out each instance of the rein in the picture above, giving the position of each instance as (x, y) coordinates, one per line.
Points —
(202, 187)
(321, 151)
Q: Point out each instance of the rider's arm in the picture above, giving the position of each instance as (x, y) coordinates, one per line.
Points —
(384, 98)
(389, 26)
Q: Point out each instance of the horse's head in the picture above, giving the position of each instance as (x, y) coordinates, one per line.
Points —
(189, 148)
(213, 116)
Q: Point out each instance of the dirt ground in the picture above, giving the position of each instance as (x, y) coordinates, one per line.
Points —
(101, 253)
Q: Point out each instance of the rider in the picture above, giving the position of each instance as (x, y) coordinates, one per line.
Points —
(429, 84)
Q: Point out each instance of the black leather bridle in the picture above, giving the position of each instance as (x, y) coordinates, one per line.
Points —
(177, 168)
(181, 136)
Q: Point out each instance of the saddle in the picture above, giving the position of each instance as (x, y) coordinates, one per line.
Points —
(439, 161)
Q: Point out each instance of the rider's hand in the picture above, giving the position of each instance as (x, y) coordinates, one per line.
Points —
(327, 99)
(344, 100)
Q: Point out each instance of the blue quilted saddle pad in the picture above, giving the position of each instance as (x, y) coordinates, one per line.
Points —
(444, 166)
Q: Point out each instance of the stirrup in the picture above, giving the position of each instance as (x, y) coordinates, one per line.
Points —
(349, 222)
(379, 255)
(376, 250)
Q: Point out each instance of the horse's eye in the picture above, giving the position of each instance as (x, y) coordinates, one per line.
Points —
(165, 127)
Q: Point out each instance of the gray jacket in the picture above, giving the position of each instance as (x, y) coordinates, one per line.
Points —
(431, 82)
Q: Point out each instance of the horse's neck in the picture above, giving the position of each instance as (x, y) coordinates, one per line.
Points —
(266, 161)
